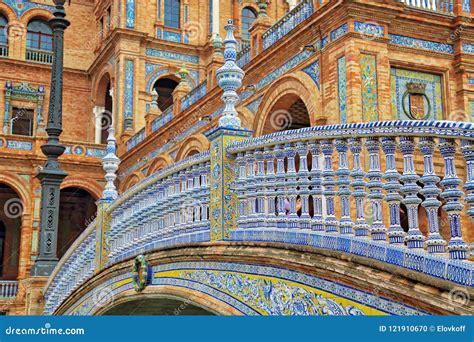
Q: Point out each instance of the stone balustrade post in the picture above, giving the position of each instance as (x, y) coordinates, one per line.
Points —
(457, 247)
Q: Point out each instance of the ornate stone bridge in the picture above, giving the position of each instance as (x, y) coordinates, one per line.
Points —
(297, 222)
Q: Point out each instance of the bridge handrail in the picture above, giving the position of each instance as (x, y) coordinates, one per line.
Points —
(445, 129)
(296, 187)
(163, 173)
(84, 235)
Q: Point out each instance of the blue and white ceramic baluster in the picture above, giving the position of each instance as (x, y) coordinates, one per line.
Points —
(344, 183)
(316, 185)
(329, 183)
(467, 148)
(457, 247)
(304, 184)
(250, 190)
(434, 243)
(396, 235)
(378, 231)
(241, 186)
(260, 188)
(280, 186)
(358, 184)
(270, 195)
(414, 238)
(291, 184)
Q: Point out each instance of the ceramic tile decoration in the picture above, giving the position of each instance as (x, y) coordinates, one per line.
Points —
(172, 55)
(21, 6)
(288, 22)
(19, 145)
(468, 48)
(368, 70)
(339, 32)
(130, 13)
(342, 91)
(253, 106)
(368, 29)
(400, 78)
(421, 44)
(313, 70)
(129, 93)
(172, 36)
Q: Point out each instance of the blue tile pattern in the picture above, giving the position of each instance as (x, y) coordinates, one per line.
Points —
(339, 32)
(136, 139)
(194, 96)
(172, 36)
(21, 6)
(162, 120)
(130, 13)
(313, 70)
(342, 88)
(19, 145)
(369, 29)
(172, 56)
(416, 43)
(129, 92)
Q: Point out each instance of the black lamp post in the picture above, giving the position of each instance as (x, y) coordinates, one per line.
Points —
(52, 175)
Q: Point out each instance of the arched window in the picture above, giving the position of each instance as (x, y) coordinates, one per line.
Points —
(172, 13)
(3, 33)
(165, 88)
(39, 35)
(248, 17)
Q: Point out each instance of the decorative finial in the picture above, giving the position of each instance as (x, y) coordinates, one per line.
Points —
(183, 73)
(262, 6)
(154, 98)
(110, 164)
(229, 78)
(217, 44)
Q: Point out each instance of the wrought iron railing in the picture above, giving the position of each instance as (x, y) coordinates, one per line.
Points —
(288, 22)
(39, 56)
(440, 6)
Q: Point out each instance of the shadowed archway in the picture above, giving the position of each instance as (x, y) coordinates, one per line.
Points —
(156, 307)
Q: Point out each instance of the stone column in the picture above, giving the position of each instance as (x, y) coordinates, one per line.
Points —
(98, 113)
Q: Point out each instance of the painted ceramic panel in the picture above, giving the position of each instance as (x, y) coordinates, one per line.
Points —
(368, 70)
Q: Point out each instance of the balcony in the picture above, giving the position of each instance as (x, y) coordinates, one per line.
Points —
(8, 289)
(39, 56)
(439, 6)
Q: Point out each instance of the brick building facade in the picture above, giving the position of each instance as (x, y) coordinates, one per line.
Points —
(149, 69)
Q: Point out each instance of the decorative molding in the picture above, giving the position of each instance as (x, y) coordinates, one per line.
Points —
(339, 32)
(368, 29)
(313, 70)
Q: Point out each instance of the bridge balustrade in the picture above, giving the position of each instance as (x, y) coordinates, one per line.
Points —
(170, 208)
(325, 187)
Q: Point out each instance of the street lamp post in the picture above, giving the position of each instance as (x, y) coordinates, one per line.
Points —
(51, 176)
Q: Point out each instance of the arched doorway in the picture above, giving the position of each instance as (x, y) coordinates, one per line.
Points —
(103, 109)
(288, 113)
(157, 307)
(10, 232)
(165, 88)
(77, 209)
